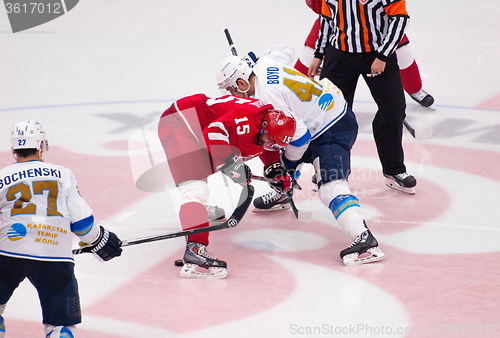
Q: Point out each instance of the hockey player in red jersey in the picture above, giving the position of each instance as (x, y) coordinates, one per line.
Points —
(202, 135)
(408, 68)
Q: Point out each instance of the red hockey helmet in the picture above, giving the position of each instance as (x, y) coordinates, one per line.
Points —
(277, 129)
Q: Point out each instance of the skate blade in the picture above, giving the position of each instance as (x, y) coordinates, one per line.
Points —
(374, 254)
(193, 271)
(393, 185)
(275, 208)
(217, 221)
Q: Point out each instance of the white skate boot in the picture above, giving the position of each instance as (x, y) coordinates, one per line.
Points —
(216, 215)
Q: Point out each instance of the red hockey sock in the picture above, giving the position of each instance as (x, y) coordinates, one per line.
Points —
(410, 76)
(194, 215)
(301, 68)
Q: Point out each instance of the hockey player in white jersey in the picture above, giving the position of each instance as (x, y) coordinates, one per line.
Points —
(332, 132)
(40, 209)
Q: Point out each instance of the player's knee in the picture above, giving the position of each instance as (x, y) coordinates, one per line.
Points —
(52, 331)
(332, 189)
(194, 191)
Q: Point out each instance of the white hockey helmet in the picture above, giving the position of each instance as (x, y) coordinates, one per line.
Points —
(234, 68)
(28, 135)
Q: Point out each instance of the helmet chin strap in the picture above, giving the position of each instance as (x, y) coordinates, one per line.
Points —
(244, 91)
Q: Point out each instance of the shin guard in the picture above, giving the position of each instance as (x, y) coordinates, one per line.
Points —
(347, 212)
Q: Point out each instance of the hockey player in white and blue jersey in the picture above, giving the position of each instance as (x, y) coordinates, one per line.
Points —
(332, 130)
(40, 210)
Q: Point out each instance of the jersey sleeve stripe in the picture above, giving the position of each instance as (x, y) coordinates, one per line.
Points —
(397, 8)
(83, 226)
(325, 9)
(219, 134)
(185, 121)
(218, 137)
(303, 140)
(219, 125)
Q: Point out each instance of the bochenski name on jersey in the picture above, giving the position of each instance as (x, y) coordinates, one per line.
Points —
(29, 173)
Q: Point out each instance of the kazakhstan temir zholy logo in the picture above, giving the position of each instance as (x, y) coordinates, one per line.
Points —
(16, 232)
(26, 14)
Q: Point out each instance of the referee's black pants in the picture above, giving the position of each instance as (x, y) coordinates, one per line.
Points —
(343, 69)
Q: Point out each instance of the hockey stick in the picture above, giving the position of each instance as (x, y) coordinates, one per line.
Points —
(423, 135)
(304, 216)
(230, 41)
(238, 213)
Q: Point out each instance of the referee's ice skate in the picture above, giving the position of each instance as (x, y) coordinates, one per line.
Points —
(196, 257)
(363, 250)
(272, 201)
(403, 182)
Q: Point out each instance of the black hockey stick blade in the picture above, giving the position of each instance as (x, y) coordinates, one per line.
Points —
(304, 216)
(246, 198)
(418, 135)
(230, 41)
(409, 128)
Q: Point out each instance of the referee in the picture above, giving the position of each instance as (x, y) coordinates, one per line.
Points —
(359, 37)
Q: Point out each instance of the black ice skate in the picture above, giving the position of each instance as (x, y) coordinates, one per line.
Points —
(196, 256)
(216, 215)
(403, 182)
(272, 201)
(423, 98)
(363, 250)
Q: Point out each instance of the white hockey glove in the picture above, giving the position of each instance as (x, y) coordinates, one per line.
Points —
(238, 171)
(105, 247)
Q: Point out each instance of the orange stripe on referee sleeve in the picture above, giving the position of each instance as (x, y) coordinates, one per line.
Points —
(325, 9)
(397, 8)
(365, 28)
(340, 13)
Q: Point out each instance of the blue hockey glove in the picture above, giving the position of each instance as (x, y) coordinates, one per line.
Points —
(105, 247)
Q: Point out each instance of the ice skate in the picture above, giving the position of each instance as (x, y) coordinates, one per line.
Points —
(363, 250)
(403, 182)
(199, 264)
(272, 201)
(423, 98)
(216, 215)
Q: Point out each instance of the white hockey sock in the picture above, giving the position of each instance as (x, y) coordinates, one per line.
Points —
(346, 210)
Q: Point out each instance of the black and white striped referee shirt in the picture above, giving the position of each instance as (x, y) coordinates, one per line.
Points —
(361, 26)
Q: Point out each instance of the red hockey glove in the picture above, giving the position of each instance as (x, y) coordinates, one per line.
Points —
(278, 172)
